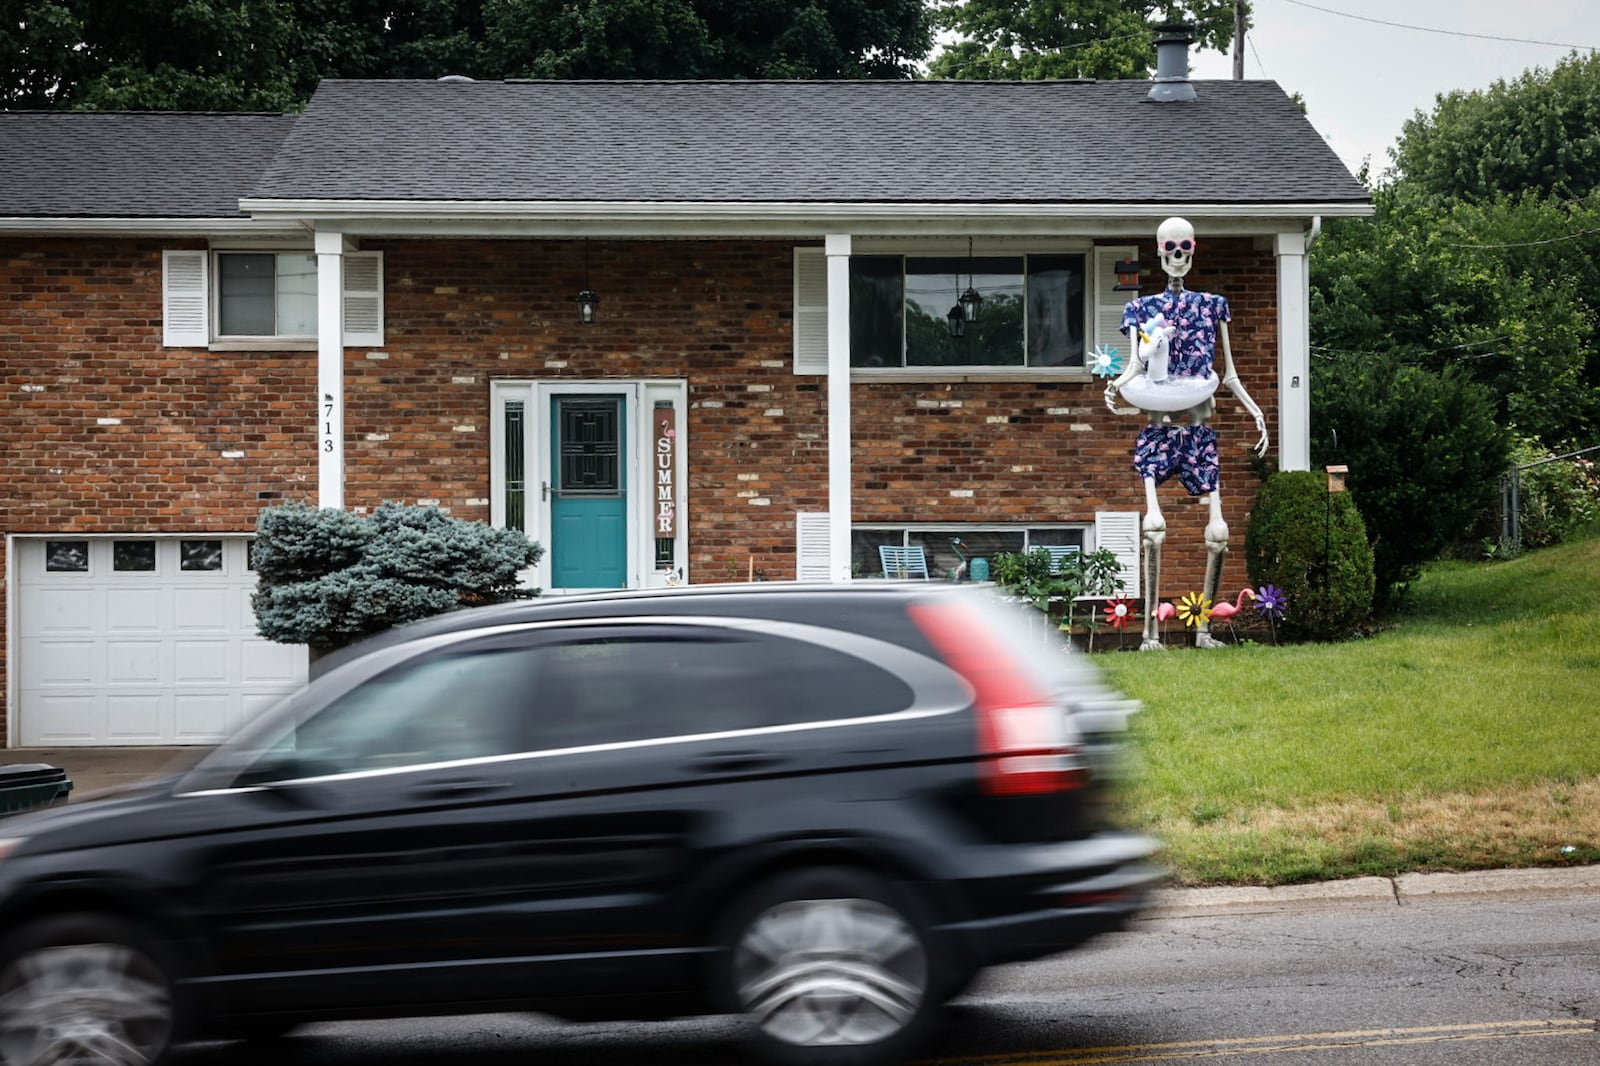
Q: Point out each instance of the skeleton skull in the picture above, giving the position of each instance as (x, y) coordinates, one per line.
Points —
(1175, 243)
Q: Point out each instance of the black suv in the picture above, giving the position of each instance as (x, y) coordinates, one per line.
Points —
(823, 807)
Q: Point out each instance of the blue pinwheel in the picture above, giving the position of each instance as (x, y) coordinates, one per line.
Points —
(1105, 362)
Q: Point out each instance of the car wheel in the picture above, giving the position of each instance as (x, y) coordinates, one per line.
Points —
(830, 967)
(84, 989)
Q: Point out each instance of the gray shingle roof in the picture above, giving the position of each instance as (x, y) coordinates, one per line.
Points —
(833, 142)
(124, 164)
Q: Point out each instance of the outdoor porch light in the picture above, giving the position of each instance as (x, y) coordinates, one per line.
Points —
(972, 300)
(588, 299)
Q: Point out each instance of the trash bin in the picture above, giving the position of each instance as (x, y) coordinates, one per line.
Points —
(28, 785)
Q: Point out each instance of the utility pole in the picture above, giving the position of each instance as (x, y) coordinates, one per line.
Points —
(1240, 10)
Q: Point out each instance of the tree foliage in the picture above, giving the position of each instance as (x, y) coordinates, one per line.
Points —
(328, 578)
(1424, 451)
(1538, 133)
(268, 55)
(1038, 39)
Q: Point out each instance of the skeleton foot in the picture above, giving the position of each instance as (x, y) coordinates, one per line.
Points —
(1206, 640)
(1152, 644)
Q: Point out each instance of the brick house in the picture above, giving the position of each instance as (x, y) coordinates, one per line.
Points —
(205, 315)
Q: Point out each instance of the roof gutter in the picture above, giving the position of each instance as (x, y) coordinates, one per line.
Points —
(152, 227)
(790, 218)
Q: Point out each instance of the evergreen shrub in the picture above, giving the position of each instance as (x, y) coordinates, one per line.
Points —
(1312, 544)
(328, 578)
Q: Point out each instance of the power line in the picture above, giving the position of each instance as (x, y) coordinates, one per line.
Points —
(1435, 29)
(1535, 244)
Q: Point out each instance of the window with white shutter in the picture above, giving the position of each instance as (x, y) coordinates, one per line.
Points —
(1118, 532)
(1108, 300)
(363, 299)
(185, 299)
(811, 554)
(810, 311)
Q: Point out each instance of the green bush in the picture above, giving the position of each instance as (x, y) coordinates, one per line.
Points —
(1034, 577)
(327, 578)
(1312, 544)
(1424, 453)
(1558, 500)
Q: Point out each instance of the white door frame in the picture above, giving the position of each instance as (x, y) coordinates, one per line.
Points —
(641, 395)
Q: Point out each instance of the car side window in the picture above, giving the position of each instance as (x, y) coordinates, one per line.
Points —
(648, 686)
(454, 705)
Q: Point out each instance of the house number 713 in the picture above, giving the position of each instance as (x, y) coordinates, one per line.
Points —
(327, 426)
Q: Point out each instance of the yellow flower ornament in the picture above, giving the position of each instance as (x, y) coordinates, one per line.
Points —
(1194, 609)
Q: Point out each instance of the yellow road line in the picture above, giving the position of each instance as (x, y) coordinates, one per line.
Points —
(1286, 1042)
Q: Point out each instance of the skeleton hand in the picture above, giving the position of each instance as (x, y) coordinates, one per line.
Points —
(1261, 427)
(1111, 397)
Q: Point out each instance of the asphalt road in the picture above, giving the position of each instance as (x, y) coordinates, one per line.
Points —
(1445, 981)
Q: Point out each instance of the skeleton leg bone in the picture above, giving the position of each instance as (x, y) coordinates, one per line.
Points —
(1155, 534)
(1216, 553)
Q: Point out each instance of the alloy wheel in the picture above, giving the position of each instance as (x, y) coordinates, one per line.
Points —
(62, 1005)
(830, 972)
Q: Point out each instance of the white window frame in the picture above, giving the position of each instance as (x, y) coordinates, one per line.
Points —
(192, 297)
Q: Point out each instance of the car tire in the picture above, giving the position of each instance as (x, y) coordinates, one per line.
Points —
(831, 967)
(85, 988)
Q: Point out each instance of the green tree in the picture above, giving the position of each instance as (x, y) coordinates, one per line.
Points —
(1424, 453)
(1539, 132)
(328, 578)
(1038, 39)
(707, 38)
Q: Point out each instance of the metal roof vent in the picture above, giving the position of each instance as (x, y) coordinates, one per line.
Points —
(455, 77)
(1172, 64)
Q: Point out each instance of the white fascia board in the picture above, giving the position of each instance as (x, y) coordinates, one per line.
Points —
(788, 219)
(152, 227)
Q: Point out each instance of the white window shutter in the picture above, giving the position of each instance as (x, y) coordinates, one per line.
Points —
(185, 299)
(1118, 532)
(811, 559)
(363, 299)
(810, 311)
(1108, 302)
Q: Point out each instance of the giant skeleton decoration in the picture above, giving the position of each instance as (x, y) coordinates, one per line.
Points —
(1171, 379)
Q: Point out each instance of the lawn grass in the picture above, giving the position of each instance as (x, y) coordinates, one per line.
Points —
(1466, 736)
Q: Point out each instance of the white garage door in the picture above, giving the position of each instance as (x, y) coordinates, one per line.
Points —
(140, 640)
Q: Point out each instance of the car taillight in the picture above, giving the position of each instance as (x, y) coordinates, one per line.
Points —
(1020, 728)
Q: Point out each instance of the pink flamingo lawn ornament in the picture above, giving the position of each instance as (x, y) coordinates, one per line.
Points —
(1165, 612)
(1226, 610)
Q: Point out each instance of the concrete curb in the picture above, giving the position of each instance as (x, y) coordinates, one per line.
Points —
(1382, 891)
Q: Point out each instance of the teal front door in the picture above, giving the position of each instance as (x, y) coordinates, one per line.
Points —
(588, 493)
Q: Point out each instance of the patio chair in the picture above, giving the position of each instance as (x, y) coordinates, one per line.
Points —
(904, 563)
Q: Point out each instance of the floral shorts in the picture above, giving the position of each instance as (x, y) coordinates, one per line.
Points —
(1188, 449)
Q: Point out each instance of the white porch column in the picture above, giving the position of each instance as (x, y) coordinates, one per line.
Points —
(330, 247)
(837, 246)
(1294, 352)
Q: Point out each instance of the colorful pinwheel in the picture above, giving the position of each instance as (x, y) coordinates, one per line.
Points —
(1194, 609)
(1105, 362)
(1120, 611)
(1271, 601)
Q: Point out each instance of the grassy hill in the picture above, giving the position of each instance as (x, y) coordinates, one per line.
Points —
(1467, 736)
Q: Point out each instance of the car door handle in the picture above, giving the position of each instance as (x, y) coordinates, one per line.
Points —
(465, 789)
(733, 762)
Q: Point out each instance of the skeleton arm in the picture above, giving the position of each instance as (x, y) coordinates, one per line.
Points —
(1230, 378)
(1135, 368)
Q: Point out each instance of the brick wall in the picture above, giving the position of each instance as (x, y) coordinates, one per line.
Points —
(109, 432)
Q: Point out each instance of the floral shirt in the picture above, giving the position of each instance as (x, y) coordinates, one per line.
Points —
(1196, 315)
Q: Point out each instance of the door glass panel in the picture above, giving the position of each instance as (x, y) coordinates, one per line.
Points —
(66, 556)
(133, 555)
(200, 555)
(516, 490)
(590, 460)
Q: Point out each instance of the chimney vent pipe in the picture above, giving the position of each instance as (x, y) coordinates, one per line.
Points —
(1172, 64)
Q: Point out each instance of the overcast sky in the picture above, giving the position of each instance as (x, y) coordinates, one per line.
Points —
(1362, 80)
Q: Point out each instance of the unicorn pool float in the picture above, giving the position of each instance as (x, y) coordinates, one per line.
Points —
(1154, 387)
